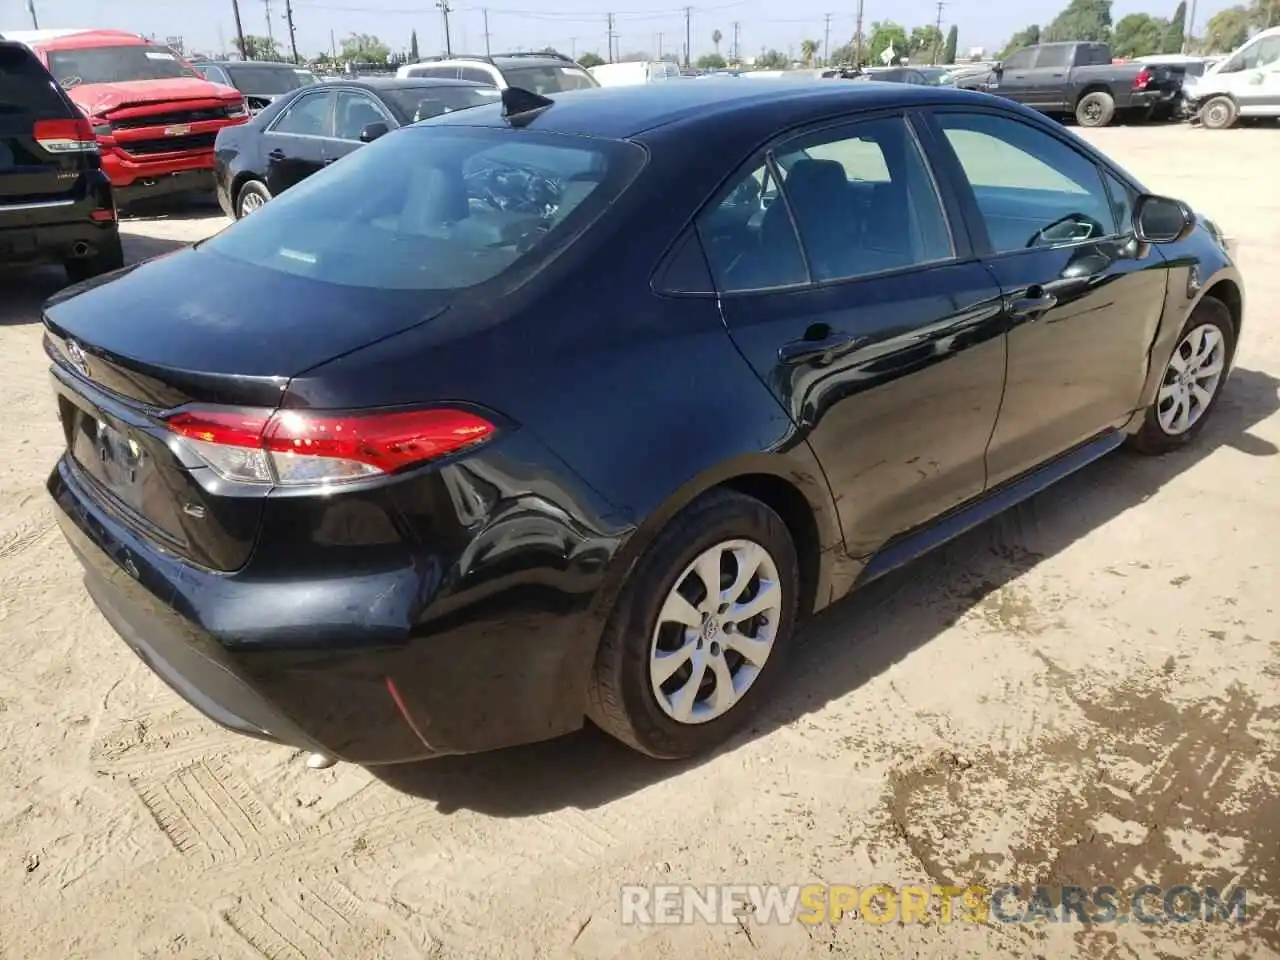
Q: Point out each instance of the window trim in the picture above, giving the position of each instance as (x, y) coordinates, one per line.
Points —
(953, 171)
(962, 249)
(289, 107)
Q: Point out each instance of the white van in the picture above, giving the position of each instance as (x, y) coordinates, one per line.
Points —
(1245, 84)
(634, 73)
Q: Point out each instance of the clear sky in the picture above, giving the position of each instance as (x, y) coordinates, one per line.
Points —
(570, 25)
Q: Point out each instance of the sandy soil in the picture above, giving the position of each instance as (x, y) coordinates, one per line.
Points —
(1087, 691)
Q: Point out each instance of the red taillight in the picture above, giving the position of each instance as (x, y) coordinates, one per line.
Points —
(1142, 79)
(305, 447)
(103, 216)
(66, 136)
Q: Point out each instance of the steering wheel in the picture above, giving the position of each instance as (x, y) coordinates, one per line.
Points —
(1076, 220)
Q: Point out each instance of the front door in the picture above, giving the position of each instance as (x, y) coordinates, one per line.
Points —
(1013, 80)
(846, 290)
(293, 145)
(1083, 298)
(1045, 86)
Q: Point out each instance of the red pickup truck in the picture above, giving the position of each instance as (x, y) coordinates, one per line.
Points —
(155, 118)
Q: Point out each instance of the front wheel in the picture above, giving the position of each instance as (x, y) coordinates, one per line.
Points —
(701, 629)
(1095, 109)
(1219, 114)
(1192, 380)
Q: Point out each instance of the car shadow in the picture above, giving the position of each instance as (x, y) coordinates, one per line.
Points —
(23, 290)
(587, 769)
(188, 207)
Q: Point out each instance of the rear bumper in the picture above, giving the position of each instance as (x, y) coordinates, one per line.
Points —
(166, 185)
(129, 172)
(53, 242)
(357, 667)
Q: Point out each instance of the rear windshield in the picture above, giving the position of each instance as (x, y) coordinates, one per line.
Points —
(411, 104)
(269, 80)
(116, 65)
(25, 87)
(436, 207)
(549, 78)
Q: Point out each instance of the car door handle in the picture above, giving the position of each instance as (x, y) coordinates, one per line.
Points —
(1030, 308)
(328, 160)
(817, 352)
(276, 154)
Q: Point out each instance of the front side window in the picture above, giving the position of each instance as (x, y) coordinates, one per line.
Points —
(1020, 60)
(116, 64)
(1055, 56)
(308, 116)
(435, 207)
(1031, 188)
(549, 78)
(355, 112)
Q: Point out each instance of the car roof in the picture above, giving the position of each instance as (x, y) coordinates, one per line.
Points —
(403, 83)
(274, 64)
(623, 112)
(74, 39)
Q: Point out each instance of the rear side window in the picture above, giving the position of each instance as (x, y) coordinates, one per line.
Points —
(475, 75)
(411, 104)
(549, 78)
(26, 88)
(436, 208)
(437, 73)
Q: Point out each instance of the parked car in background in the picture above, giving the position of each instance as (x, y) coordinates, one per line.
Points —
(389, 473)
(895, 75)
(56, 204)
(259, 82)
(938, 76)
(634, 72)
(1079, 79)
(302, 132)
(154, 117)
(541, 73)
(1245, 84)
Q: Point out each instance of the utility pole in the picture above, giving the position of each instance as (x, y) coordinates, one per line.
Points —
(688, 35)
(235, 8)
(31, 8)
(573, 48)
(609, 20)
(1188, 29)
(293, 39)
(444, 12)
(826, 43)
(485, 11)
(737, 32)
(857, 38)
(333, 46)
(938, 36)
(659, 44)
(271, 40)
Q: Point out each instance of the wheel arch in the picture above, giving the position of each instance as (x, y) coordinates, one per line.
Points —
(237, 184)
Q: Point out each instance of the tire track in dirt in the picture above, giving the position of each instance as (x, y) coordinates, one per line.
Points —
(157, 742)
(29, 533)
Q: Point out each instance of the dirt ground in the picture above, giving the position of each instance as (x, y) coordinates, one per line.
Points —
(1086, 691)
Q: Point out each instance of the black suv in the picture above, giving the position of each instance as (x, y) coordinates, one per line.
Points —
(55, 200)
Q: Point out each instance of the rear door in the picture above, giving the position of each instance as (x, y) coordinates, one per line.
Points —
(1083, 299)
(38, 170)
(293, 145)
(863, 311)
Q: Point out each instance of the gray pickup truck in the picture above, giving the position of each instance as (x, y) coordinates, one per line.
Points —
(1079, 79)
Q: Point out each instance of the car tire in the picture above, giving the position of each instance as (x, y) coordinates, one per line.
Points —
(110, 256)
(624, 699)
(1219, 113)
(251, 197)
(1095, 109)
(1161, 430)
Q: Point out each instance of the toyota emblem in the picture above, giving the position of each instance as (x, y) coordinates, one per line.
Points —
(76, 355)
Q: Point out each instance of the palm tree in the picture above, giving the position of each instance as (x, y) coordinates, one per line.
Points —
(808, 50)
(716, 37)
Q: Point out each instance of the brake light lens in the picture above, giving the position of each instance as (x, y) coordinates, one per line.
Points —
(66, 136)
(310, 448)
(1142, 80)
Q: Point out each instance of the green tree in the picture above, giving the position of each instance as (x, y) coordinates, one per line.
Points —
(1175, 36)
(716, 37)
(1081, 20)
(1138, 35)
(809, 50)
(258, 48)
(1026, 37)
(1226, 30)
(590, 60)
(926, 40)
(365, 48)
(1265, 13)
(711, 61)
(886, 34)
(413, 46)
(773, 60)
(949, 48)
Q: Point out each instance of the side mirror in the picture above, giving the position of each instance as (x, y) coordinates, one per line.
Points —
(1161, 219)
(373, 131)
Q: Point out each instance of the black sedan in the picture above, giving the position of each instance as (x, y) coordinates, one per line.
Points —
(261, 82)
(297, 134)
(562, 409)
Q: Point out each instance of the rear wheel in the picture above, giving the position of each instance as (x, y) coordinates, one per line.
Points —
(1219, 114)
(109, 256)
(253, 195)
(701, 630)
(1095, 109)
(1192, 380)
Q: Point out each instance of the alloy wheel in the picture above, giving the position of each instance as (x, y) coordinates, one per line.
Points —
(1216, 115)
(251, 202)
(1191, 380)
(715, 631)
